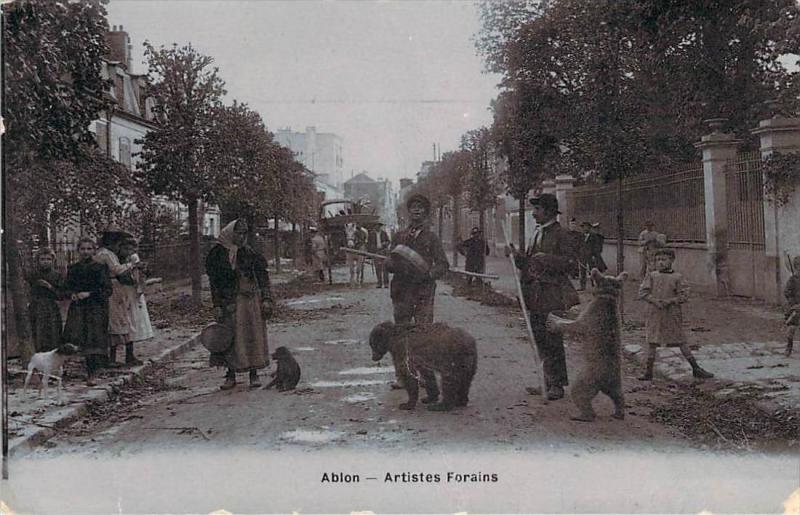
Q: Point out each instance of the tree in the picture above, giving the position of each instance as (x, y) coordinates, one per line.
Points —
(176, 157)
(53, 91)
(524, 132)
(480, 181)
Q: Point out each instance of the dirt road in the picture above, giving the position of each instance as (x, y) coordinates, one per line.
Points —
(339, 443)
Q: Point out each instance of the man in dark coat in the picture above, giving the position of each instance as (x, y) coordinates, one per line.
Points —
(590, 252)
(412, 292)
(546, 267)
(475, 249)
(378, 242)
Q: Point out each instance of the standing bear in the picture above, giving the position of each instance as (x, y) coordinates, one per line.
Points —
(598, 328)
(423, 350)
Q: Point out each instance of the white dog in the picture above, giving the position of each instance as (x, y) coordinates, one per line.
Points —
(48, 363)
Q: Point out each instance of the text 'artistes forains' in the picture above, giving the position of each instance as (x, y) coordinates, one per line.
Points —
(414, 477)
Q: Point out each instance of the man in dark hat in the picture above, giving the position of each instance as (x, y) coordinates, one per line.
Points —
(412, 293)
(378, 242)
(546, 267)
(590, 252)
(475, 249)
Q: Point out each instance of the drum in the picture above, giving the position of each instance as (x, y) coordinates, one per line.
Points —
(411, 262)
(217, 337)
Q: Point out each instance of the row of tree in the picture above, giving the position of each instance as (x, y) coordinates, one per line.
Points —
(56, 175)
(623, 87)
(608, 89)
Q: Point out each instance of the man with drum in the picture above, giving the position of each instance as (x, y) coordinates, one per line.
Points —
(417, 260)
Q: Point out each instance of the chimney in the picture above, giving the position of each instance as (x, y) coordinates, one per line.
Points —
(119, 45)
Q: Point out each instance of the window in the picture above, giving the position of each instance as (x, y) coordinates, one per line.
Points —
(125, 152)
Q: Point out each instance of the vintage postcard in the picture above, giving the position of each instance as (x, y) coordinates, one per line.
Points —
(435, 256)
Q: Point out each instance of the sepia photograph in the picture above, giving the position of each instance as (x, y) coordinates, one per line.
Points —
(384, 256)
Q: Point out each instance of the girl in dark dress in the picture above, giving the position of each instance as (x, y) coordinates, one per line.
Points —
(89, 286)
(46, 288)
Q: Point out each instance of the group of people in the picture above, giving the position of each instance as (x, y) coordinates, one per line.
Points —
(545, 269)
(107, 307)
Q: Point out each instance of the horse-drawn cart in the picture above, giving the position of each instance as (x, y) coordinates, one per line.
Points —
(334, 217)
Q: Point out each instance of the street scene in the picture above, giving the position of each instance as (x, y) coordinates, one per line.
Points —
(430, 257)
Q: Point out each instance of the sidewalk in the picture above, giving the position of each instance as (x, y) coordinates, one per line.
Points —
(740, 340)
(33, 420)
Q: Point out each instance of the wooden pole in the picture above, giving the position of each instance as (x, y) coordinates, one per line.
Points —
(537, 361)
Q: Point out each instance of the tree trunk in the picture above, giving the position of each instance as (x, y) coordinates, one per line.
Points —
(194, 253)
(16, 292)
(441, 222)
(620, 244)
(456, 227)
(294, 245)
(522, 223)
(482, 222)
(276, 240)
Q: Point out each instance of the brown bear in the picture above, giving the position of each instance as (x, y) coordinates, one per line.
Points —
(598, 328)
(427, 349)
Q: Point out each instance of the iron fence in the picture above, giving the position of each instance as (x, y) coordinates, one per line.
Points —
(745, 201)
(675, 202)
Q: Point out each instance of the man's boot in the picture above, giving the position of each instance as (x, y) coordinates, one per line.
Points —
(697, 371)
(130, 359)
(648, 370)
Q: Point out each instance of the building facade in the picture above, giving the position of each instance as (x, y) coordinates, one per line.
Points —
(379, 192)
(320, 152)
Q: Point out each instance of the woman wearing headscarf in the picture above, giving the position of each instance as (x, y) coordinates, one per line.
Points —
(242, 300)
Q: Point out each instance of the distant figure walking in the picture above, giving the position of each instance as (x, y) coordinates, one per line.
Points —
(475, 249)
(318, 250)
(664, 290)
(378, 242)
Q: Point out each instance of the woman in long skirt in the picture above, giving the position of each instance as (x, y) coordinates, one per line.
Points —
(141, 327)
(119, 311)
(242, 299)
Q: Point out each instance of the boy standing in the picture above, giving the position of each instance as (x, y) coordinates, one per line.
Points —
(663, 289)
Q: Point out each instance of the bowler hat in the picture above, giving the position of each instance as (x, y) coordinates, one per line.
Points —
(548, 201)
(216, 337)
(417, 197)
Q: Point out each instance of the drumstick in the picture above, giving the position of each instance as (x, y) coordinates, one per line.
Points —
(474, 274)
(363, 253)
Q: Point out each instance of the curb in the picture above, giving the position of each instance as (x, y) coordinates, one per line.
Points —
(72, 414)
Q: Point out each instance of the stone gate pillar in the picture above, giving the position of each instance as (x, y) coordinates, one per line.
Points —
(564, 184)
(718, 148)
(781, 223)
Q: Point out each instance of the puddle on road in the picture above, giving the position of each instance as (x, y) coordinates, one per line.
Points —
(359, 397)
(312, 301)
(306, 436)
(367, 370)
(351, 382)
(346, 341)
(303, 349)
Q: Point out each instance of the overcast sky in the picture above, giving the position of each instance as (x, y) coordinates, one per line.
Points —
(390, 78)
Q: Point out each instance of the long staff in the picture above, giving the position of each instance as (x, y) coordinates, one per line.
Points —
(536, 360)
